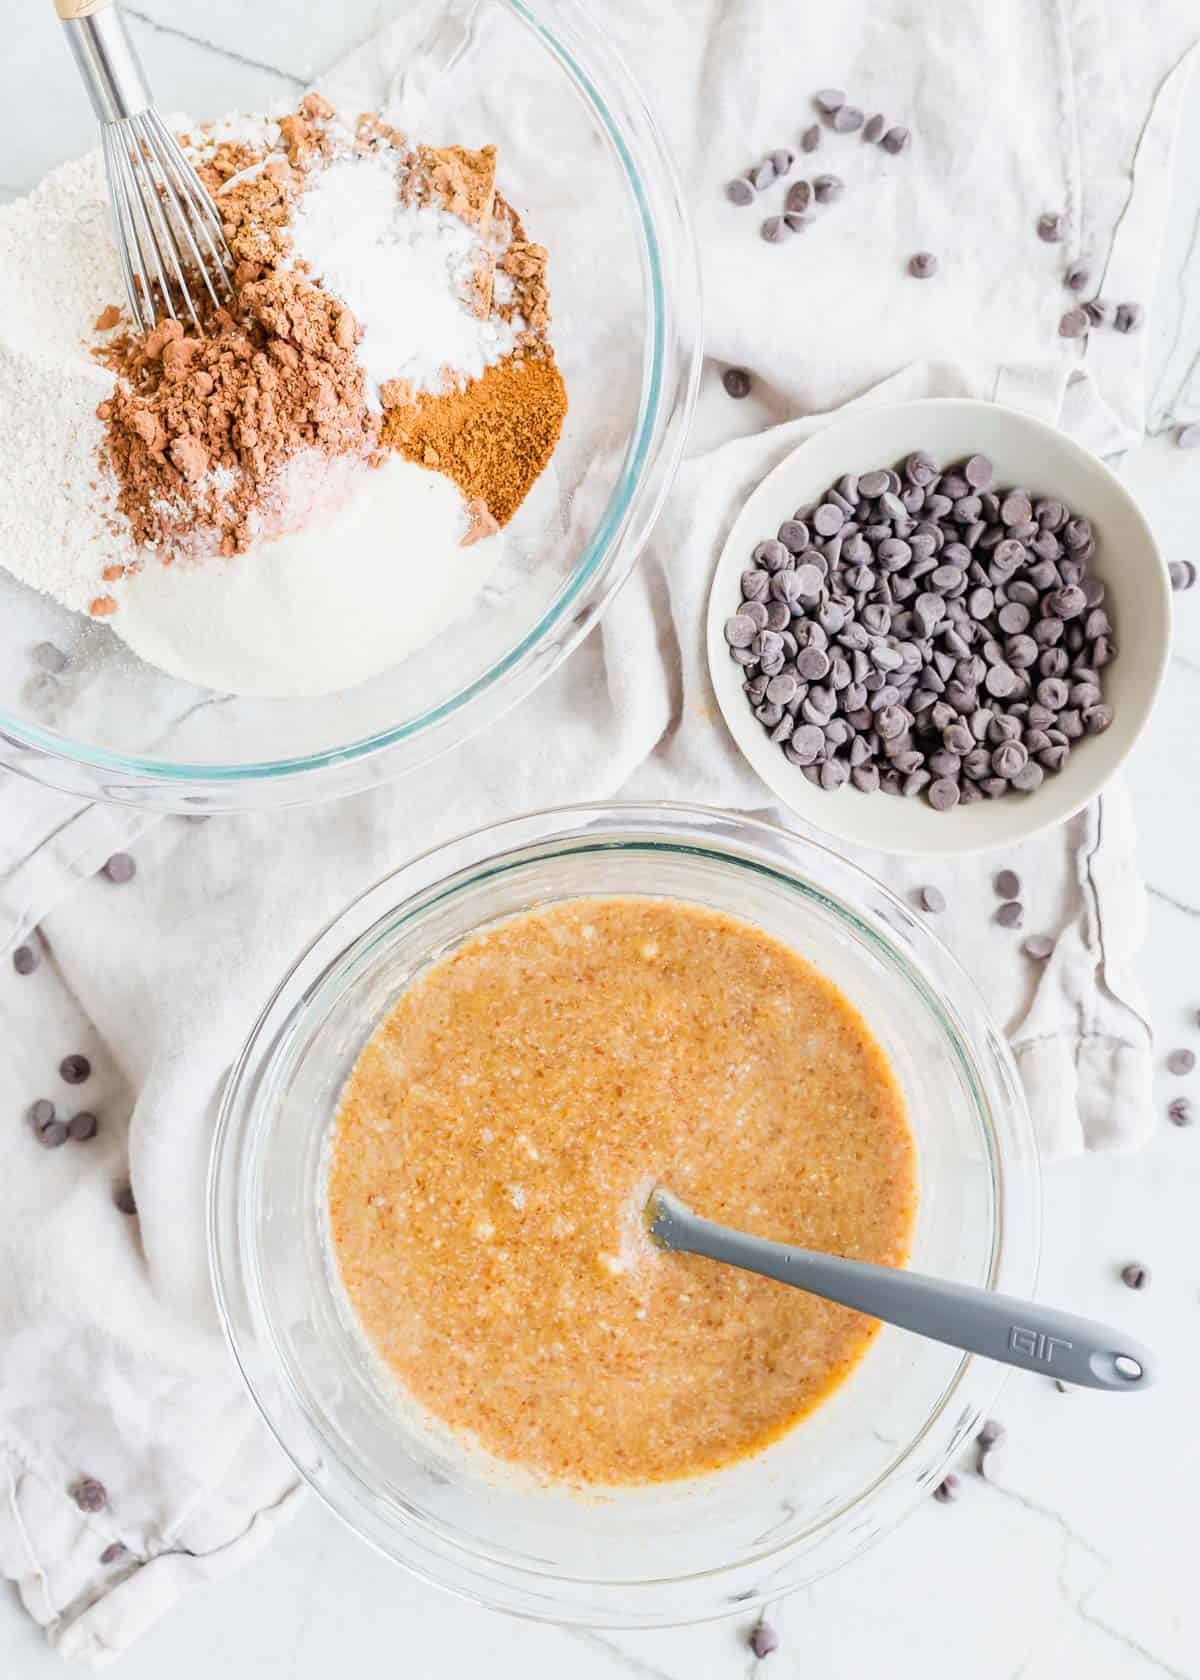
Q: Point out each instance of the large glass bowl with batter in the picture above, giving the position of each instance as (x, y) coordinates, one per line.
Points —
(683, 1551)
(582, 160)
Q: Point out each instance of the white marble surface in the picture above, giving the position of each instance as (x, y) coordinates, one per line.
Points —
(1077, 1555)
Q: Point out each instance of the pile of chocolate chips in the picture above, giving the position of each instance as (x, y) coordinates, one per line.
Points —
(919, 632)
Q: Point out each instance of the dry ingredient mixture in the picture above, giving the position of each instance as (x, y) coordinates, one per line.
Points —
(495, 1146)
(376, 399)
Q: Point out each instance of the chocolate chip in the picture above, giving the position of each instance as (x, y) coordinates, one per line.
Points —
(947, 1490)
(829, 100)
(762, 175)
(75, 1069)
(119, 868)
(1038, 946)
(1074, 324)
(1007, 883)
(40, 1113)
(846, 119)
(775, 230)
(799, 197)
(1179, 1111)
(1187, 437)
(123, 1200)
(811, 138)
(990, 1435)
(737, 382)
(1180, 1062)
(922, 265)
(1135, 1276)
(827, 188)
(739, 190)
(895, 140)
(1011, 915)
(1050, 227)
(52, 1136)
(783, 159)
(933, 899)
(1182, 574)
(1129, 317)
(113, 1553)
(873, 128)
(25, 959)
(89, 1494)
(1098, 312)
(1077, 277)
(740, 631)
(763, 1640)
(82, 1126)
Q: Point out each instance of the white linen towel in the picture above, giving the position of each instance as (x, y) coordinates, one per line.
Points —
(111, 1364)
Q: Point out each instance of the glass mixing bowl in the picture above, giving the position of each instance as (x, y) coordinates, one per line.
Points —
(684, 1551)
(581, 159)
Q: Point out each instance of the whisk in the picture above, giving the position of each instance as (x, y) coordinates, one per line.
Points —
(169, 235)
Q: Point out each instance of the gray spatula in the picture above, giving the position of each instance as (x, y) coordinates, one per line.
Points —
(1022, 1333)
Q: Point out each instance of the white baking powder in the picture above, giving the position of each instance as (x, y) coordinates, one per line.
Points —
(366, 582)
(404, 270)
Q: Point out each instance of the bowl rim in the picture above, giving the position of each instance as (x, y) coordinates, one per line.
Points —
(672, 316)
(765, 759)
(414, 887)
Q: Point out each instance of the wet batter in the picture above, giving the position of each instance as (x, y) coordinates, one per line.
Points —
(495, 1146)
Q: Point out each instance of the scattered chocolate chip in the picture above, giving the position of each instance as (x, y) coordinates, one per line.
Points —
(827, 188)
(846, 119)
(1077, 277)
(123, 1199)
(933, 899)
(1038, 946)
(82, 1126)
(1129, 317)
(1180, 1062)
(1188, 437)
(1007, 883)
(1098, 311)
(774, 230)
(25, 959)
(119, 868)
(947, 1490)
(799, 196)
(922, 265)
(873, 128)
(739, 191)
(762, 175)
(991, 1434)
(763, 1640)
(737, 382)
(1179, 1111)
(829, 100)
(783, 159)
(795, 222)
(811, 138)
(1050, 227)
(75, 1069)
(1012, 914)
(89, 1494)
(1135, 1276)
(1074, 324)
(53, 1135)
(40, 1113)
(49, 657)
(1182, 574)
(895, 140)
(113, 1553)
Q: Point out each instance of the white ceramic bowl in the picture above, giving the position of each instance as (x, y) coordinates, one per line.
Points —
(1043, 461)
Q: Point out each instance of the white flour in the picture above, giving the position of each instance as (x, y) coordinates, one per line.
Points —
(325, 608)
(370, 249)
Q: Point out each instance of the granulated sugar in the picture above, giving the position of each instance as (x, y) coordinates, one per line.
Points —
(348, 592)
(370, 249)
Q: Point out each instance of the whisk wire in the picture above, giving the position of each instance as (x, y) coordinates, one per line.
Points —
(195, 211)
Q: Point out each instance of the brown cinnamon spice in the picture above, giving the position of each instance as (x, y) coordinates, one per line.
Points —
(494, 438)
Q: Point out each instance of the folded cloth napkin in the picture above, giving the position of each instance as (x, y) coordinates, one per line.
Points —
(111, 1363)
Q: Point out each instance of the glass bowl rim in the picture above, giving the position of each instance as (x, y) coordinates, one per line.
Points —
(1012, 1165)
(176, 779)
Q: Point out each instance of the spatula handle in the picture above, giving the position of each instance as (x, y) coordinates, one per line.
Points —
(1022, 1333)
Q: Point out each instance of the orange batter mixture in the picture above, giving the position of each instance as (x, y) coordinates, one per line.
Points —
(493, 1153)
